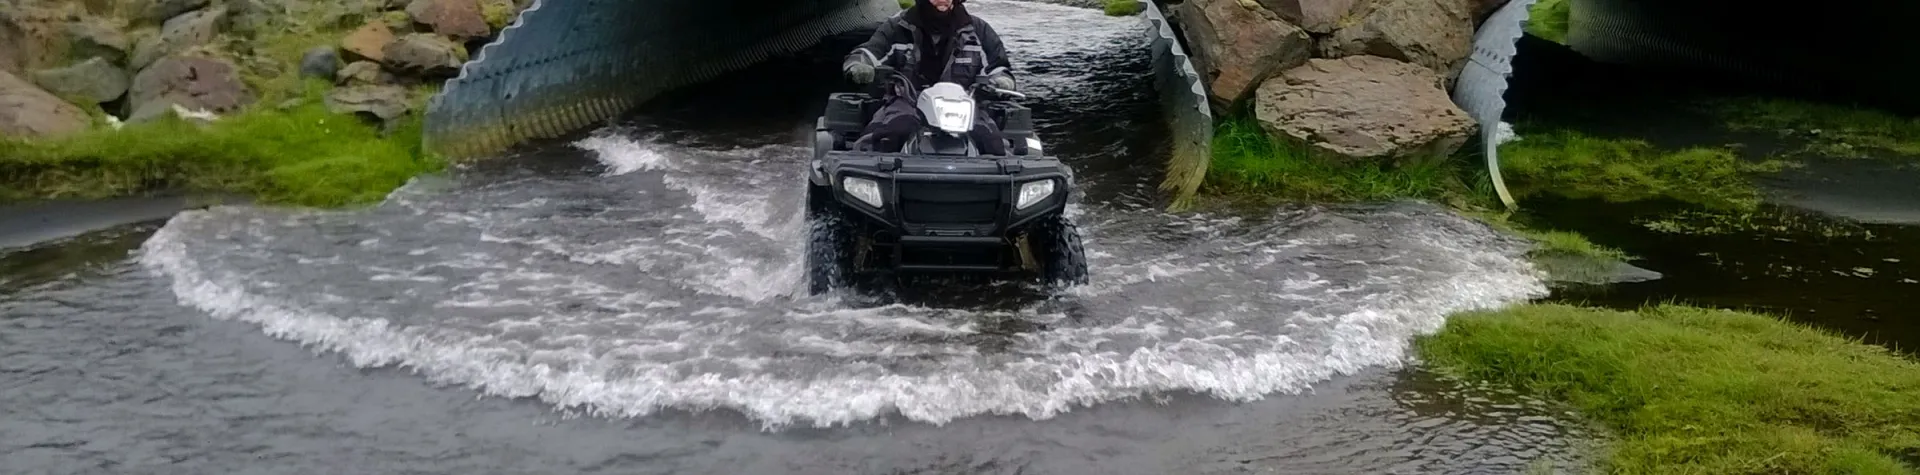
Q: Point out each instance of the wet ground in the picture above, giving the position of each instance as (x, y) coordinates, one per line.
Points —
(628, 301)
(1834, 247)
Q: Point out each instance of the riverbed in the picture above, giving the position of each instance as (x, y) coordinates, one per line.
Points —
(628, 300)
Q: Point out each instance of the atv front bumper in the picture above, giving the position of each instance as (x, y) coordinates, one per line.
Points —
(944, 213)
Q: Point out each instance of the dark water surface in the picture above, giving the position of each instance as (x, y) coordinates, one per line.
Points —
(627, 301)
(1838, 247)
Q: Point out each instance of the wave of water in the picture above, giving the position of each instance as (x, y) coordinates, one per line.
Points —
(672, 278)
(669, 282)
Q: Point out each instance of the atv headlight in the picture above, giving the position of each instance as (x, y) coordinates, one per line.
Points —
(862, 189)
(1033, 192)
(954, 117)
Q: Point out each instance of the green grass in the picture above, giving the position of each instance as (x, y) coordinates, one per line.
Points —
(1250, 166)
(1548, 19)
(1697, 391)
(302, 156)
(1576, 165)
(1247, 161)
(1123, 7)
(1834, 130)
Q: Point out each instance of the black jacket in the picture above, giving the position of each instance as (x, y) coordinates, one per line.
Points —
(978, 52)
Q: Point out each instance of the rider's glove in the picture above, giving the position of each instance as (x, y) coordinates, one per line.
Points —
(1001, 81)
(858, 71)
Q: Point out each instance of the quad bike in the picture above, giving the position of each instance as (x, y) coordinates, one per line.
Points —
(938, 205)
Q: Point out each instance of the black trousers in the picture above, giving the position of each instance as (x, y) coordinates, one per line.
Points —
(898, 119)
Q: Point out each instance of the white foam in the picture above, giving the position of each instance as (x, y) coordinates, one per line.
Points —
(1161, 348)
(691, 314)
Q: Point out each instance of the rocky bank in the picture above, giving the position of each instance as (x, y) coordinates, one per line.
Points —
(66, 65)
(1351, 79)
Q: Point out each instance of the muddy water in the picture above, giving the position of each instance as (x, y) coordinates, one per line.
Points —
(629, 301)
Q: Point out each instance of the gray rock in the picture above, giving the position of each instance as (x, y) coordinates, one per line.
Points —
(363, 73)
(384, 103)
(157, 11)
(1238, 43)
(95, 80)
(250, 17)
(1437, 34)
(320, 62)
(28, 111)
(1363, 107)
(93, 38)
(425, 55)
(150, 111)
(192, 82)
(178, 35)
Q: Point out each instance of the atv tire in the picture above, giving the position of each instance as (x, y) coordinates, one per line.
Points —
(829, 255)
(1063, 259)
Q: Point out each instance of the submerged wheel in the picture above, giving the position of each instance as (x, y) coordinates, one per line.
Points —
(1063, 260)
(829, 254)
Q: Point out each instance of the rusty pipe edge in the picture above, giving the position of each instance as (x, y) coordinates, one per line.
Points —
(1183, 95)
(1482, 85)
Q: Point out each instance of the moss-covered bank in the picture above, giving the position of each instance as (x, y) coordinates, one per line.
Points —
(1548, 19)
(1250, 166)
(304, 155)
(1689, 390)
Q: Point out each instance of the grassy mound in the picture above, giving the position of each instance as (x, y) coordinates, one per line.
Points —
(1548, 19)
(300, 156)
(1247, 161)
(1690, 390)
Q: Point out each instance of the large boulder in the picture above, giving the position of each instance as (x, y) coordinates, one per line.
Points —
(180, 34)
(194, 83)
(1316, 16)
(96, 38)
(1363, 107)
(27, 111)
(31, 37)
(457, 19)
(1437, 34)
(1238, 43)
(425, 54)
(13, 47)
(94, 80)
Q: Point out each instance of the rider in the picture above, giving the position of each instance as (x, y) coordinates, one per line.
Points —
(948, 45)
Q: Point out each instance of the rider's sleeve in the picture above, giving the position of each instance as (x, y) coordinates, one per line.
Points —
(876, 46)
(997, 63)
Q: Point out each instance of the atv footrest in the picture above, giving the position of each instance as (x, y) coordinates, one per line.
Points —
(947, 268)
(952, 240)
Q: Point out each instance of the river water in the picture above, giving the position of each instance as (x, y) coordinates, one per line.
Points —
(630, 300)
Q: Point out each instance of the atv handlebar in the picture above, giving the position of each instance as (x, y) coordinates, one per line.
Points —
(886, 76)
(1005, 92)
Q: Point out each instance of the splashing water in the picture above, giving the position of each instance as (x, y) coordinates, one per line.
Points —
(673, 279)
